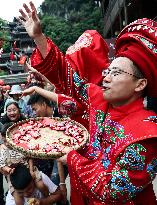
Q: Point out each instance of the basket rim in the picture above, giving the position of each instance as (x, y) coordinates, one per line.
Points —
(42, 155)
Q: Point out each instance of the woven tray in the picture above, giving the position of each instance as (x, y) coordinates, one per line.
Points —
(46, 138)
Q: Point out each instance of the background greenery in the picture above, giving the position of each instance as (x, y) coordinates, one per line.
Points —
(64, 21)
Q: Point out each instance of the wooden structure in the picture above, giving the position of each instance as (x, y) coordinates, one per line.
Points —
(119, 13)
(14, 78)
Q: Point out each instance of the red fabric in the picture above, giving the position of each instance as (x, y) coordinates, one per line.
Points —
(84, 171)
(12, 56)
(87, 60)
(138, 42)
(68, 107)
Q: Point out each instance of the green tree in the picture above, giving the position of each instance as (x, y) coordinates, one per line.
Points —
(4, 35)
(65, 20)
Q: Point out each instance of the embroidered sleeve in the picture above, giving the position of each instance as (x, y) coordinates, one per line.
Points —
(83, 63)
(54, 66)
(121, 180)
(69, 107)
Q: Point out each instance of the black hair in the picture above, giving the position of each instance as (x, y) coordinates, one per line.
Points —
(39, 99)
(136, 71)
(14, 103)
(5, 118)
(21, 177)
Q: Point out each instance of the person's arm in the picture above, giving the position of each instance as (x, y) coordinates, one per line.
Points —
(31, 167)
(52, 198)
(52, 96)
(83, 62)
(55, 193)
(62, 183)
(31, 22)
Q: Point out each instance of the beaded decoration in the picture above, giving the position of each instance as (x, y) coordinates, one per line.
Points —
(132, 157)
(83, 41)
(121, 185)
(148, 44)
(151, 119)
(152, 168)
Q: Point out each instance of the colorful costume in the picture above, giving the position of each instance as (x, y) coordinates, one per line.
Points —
(120, 162)
(83, 63)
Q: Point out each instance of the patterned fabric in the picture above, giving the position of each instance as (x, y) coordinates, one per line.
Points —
(83, 63)
(119, 163)
(138, 42)
(116, 168)
(84, 41)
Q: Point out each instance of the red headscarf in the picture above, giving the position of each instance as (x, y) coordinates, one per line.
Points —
(138, 42)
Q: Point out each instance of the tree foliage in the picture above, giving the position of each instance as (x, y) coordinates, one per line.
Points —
(65, 20)
(4, 35)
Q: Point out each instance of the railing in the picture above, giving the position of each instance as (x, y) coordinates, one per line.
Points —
(14, 78)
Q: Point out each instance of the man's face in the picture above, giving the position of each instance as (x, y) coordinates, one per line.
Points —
(28, 191)
(40, 109)
(119, 82)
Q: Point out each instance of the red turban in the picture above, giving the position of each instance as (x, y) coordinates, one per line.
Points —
(138, 42)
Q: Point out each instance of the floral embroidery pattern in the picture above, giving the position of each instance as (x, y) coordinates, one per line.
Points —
(83, 41)
(81, 86)
(152, 168)
(113, 130)
(148, 44)
(105, 160)
(132, 158)
(121, 186)
(100, 120)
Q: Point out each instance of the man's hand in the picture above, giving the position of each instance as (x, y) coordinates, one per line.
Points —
(7, 170)
(30, 20)
(34, 201)
(63, 192)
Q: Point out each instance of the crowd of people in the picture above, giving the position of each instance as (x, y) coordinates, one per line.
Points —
(110, 99)
(19, 105)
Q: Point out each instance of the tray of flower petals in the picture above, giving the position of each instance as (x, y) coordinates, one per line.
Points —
(46, 138)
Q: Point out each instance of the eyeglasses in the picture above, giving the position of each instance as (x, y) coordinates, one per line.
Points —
(114, 71)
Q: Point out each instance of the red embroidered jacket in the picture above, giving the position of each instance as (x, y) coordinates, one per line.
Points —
(83, 63)
(120, 162)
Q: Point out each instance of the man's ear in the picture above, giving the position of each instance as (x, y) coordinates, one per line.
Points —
(141, 84)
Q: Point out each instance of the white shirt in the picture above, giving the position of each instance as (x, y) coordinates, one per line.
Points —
(36, 194)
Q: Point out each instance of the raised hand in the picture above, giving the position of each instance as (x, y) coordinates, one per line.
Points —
(28, 91)
(30, 20)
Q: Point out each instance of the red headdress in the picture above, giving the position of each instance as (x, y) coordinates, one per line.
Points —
(138, 42)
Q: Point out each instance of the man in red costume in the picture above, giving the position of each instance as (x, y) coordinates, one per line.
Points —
(120, 162)
(82, 63)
